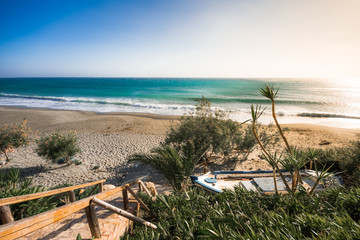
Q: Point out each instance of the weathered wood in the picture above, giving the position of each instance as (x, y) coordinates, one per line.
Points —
(125, 199)
(72, 197)
(81, 191)
(139, 200)
(139, 186)
(24, 226)
(145, 189)
(6, 215)
(101, 187)
(93, 221)
(23, 198)
(248, 175)
(137, 209)
(122, 213)
(92, 190)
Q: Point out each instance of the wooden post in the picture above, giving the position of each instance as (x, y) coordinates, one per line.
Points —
(72, 197)
(140, 187)
(125, 199)
(24, 226)
(92, 190)
(93, 221)
(6, 215)
(81, 191)
(145, 189)
(138, 209)
(101, 187)
(139, 201)
(123, 213)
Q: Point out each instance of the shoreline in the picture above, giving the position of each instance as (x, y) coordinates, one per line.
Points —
(107, 139)
(149, 115)
(177, 117)
(48, 119)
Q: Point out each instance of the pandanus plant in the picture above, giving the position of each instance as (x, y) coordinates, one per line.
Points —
(256, 112)
(176, 166)
(293, 161)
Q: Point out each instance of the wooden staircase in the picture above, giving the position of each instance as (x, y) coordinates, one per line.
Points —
(87, 216)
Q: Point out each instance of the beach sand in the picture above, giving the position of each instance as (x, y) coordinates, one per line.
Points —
(107, 140)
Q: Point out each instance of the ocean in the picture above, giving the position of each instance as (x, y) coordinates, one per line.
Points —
(321, 102)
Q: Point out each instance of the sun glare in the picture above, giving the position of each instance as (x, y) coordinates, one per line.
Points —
(347, 82)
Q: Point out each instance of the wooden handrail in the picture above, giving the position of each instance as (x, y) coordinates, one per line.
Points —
(145, 188)
(25, 226)
(123, 213)
(23, 198)
(142, 204)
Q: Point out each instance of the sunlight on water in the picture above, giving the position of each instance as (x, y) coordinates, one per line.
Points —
(299, 100)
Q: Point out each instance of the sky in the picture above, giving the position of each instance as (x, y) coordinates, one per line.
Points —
(180, 38)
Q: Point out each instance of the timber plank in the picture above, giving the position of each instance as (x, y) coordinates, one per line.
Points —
(23, 198)
(28, 225)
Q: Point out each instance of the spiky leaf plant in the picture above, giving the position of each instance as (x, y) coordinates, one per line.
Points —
(293, 162)
(256, 112)
(175, 165)
(12, 185)
(242, 214)
(271, 93)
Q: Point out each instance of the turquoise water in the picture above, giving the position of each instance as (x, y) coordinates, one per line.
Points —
(298, 99)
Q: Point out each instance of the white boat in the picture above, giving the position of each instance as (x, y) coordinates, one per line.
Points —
(261, 181)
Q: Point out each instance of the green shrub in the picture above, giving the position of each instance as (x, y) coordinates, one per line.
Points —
(241, 214)
(344, 160)
(175, 165)
(12, 137)
(207, 127)
(56, 146)
(11, 184)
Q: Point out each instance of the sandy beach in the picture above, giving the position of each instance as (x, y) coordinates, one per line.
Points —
(107, 140)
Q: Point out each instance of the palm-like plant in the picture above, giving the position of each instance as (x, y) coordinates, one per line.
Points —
(312, 154)
(256, 112)
(294, 161)
(175, 165)
(271, 94)
(320, 176)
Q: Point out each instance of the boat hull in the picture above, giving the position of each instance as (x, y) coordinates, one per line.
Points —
(258, 181)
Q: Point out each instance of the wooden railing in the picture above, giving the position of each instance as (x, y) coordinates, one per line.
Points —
(25, 226)
(28, 197)
(5, 213)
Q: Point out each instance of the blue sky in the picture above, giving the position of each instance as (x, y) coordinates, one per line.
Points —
(180, 38)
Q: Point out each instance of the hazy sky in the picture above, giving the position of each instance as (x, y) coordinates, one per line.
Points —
(180, 38)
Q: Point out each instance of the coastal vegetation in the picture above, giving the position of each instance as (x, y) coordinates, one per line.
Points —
(345, 160)
(290, 159)
(196, 137)
(190, 213)
(176, 165)
(53, 147)
(240, 214)
(12, 184)
(207, 127)
(58, 146)
(13, 136)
